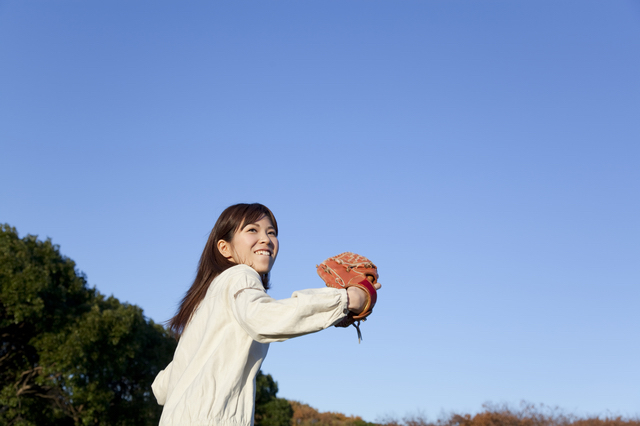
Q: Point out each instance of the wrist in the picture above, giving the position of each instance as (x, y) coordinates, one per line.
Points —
(356, 299)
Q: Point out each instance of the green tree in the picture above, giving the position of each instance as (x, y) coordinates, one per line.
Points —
(270, 410)
(69, 355)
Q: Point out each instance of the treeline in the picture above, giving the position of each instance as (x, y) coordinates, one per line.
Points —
(71, 356)
(491, 415)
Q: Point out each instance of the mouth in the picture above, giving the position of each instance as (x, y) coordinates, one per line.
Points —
(263, 253)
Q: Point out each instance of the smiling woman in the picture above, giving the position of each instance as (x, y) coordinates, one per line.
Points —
(226, 322)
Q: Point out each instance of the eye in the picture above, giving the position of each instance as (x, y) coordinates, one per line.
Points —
(251, 229)
(273, 233)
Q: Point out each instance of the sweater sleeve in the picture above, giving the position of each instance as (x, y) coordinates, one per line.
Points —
(269, 320)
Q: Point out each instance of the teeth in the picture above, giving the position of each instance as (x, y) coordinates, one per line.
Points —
(263, 252)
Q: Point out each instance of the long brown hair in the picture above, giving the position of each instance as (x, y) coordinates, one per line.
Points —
(213, 263)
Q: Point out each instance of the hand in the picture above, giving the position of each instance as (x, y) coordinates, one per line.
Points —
(358, 297)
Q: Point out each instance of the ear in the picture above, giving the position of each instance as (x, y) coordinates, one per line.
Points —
(225, 249)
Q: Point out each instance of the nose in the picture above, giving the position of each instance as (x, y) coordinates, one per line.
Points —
(265, 238)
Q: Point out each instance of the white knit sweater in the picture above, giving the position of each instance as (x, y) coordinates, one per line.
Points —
(211, 380)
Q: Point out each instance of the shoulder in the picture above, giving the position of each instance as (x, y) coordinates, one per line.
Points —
(238, 276)
(240, 271)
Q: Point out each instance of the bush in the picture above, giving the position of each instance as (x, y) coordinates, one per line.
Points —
(503, 415)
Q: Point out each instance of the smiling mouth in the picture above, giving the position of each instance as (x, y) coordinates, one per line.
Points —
(263, 252)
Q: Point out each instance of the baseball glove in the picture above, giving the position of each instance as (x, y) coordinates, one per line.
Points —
(351, 270)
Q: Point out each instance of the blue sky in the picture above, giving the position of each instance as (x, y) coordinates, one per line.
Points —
(484, 154)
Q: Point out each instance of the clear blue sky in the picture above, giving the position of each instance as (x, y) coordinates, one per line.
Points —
(485, 154)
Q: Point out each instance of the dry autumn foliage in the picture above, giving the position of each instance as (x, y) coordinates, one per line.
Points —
(526, 415)
(304, 415)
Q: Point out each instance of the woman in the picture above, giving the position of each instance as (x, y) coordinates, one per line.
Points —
(226, 322)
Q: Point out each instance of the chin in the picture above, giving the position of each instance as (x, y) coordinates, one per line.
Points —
(260, 267)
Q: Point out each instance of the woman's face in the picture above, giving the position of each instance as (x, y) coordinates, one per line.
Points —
(256, 245)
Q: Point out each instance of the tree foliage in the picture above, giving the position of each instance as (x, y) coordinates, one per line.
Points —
(69, 355)
(270, 410)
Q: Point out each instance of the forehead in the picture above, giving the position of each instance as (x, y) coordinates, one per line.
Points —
(263, 220)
